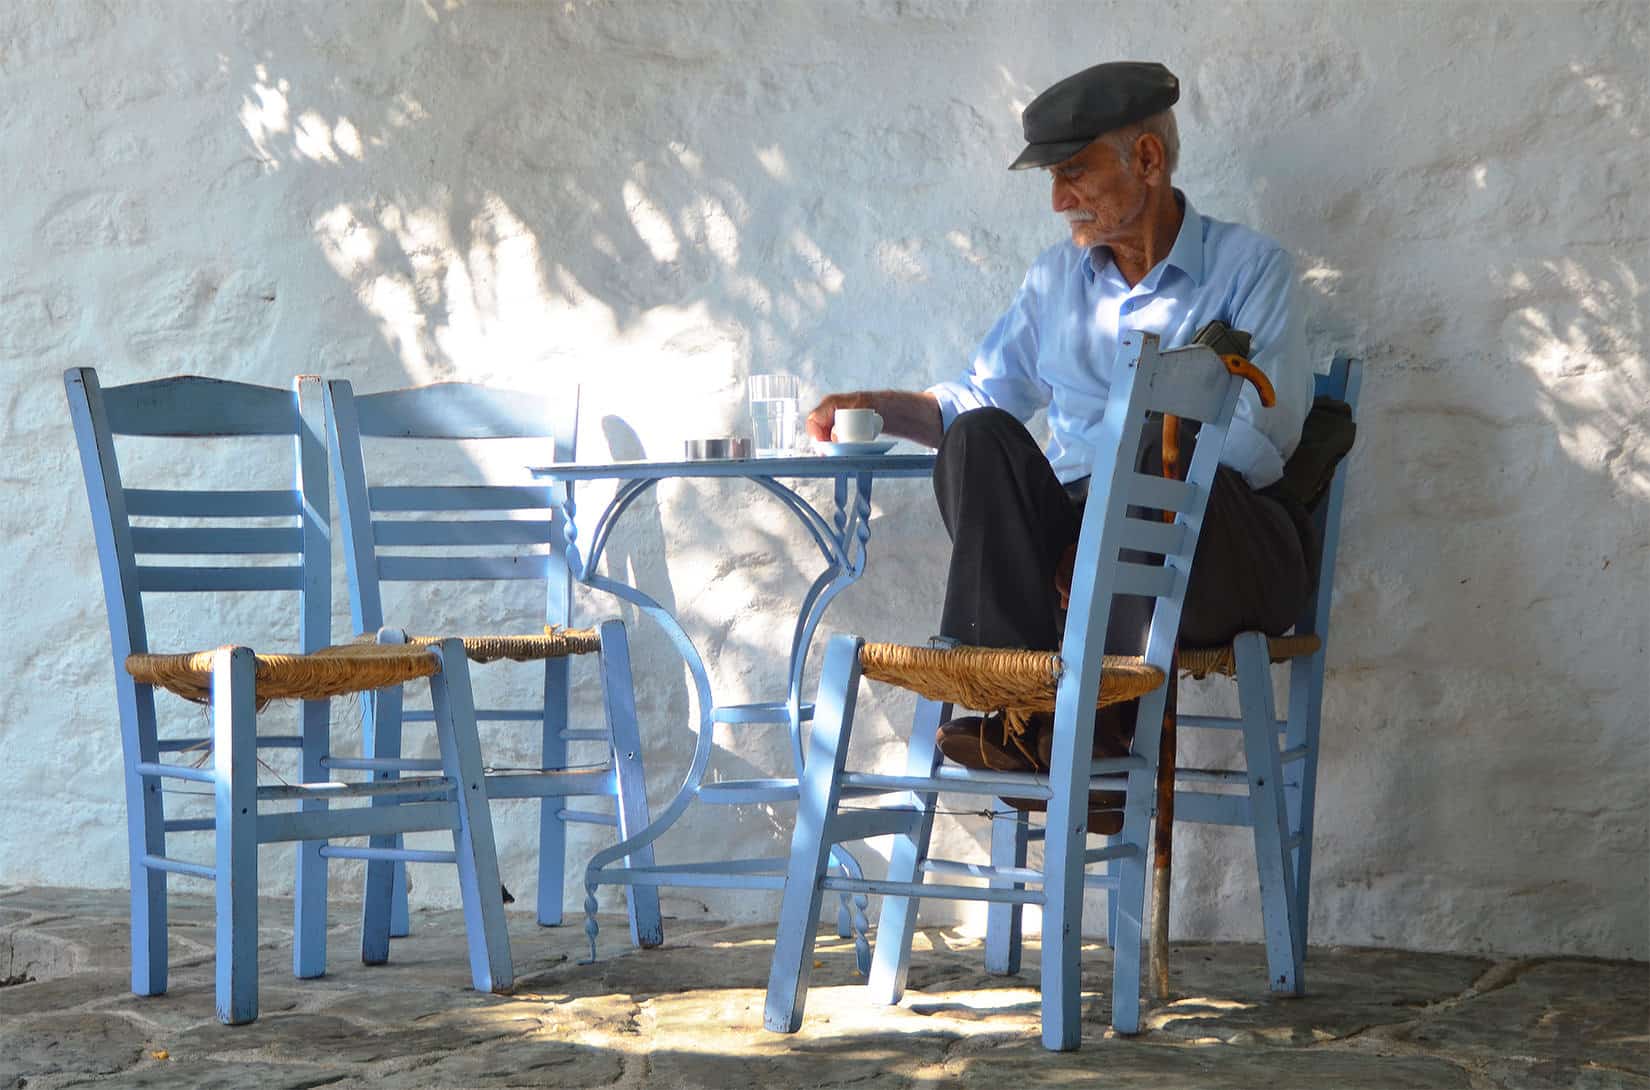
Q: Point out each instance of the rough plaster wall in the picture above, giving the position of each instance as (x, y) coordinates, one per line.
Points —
(656, 199)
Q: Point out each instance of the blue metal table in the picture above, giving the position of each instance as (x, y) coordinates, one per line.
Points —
(842, 539)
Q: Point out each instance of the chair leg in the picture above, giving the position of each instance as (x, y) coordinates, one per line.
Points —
(148, 928)
(400, 894)
(897, 923)
(385, 881)
(1109, 868)
(1065, 839)
(473, 845)
(235, 767)
(553, 754)
(146, 835)
(1130, 892)
(1010, 834)
(1305, 720)
(1269, 813)
(817, 799)
(619, 703)
(309, 901)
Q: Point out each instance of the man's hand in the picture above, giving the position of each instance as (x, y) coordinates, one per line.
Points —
(822, 418)
(905, 414)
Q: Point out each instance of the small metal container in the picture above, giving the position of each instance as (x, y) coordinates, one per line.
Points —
(731, 447)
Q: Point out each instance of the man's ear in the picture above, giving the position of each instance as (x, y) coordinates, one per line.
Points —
(1150, 159)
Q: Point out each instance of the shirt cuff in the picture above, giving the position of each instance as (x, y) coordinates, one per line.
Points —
(954, 398)
(1252, 454)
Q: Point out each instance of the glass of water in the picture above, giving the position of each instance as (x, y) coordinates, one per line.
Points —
(775, 412)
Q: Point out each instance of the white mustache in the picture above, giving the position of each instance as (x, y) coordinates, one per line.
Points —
(1075, 216)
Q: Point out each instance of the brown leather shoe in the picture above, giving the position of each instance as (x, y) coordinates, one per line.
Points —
(983, 742)
(1105, 743)
(1105, 807)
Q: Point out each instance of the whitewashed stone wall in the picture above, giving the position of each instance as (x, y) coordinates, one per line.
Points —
(655, 199)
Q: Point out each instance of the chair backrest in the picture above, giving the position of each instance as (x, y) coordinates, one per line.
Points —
(456, 528)
(1344, 382)
(1190, 383)
(287, 547)
(292, 555)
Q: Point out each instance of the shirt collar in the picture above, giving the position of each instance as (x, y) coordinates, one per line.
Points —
(1186, 254)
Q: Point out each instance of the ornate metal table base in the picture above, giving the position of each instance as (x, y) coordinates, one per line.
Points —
(842, 540)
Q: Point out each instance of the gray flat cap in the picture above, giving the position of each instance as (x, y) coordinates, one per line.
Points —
(1064, 119)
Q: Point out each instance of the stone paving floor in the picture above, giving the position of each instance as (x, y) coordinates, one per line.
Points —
(689, 1015)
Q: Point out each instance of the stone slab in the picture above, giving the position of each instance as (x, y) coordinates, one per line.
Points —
(167, 1074)
(67, 1043)
(533, 1061)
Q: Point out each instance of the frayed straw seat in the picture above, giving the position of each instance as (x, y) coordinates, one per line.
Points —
(1200, 662)
(332, 671)
(1014, 682)
(554, 643)
(1019, 682)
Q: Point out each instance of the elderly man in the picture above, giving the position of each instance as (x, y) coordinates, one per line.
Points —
(1140, 258)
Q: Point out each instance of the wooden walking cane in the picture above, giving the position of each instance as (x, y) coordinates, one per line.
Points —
(1163, 827)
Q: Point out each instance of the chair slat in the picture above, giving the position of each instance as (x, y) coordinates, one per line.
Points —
(216, 540)
(486, 715)
(405, 855)
(1163, 538)
(453, 410)
(402, 569)
(204, 579)
(180, 866)
(472, 532)
(1146, 579)
(1161, 494)
(175, 772)
(193, 406)
(184, 503)
(477, 497)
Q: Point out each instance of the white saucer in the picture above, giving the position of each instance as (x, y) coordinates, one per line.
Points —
(875, 446)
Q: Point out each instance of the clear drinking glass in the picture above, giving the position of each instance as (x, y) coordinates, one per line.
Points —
(775, 412)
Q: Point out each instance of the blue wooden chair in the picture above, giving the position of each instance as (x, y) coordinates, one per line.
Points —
(1190, 383)
(131, 523)
(465, 533)
(1274, 794)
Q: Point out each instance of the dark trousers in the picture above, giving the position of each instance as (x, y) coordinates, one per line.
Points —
(1011, 520)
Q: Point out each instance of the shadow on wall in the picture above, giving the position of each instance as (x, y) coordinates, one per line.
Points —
(569, 221)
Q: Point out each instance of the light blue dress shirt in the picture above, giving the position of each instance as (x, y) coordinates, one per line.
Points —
(1057, 345)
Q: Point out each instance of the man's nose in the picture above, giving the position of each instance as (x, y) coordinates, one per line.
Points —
(1063, 198)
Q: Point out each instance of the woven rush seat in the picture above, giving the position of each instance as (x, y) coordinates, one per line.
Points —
(998, 679)
(329, 672)
(553, 643)
(1200, 662)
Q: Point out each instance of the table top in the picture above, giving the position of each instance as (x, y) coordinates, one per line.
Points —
(799, 466)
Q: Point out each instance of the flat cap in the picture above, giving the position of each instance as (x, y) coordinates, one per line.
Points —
(1064, 119)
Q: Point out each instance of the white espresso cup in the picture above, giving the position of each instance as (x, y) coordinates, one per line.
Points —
(856, 425)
